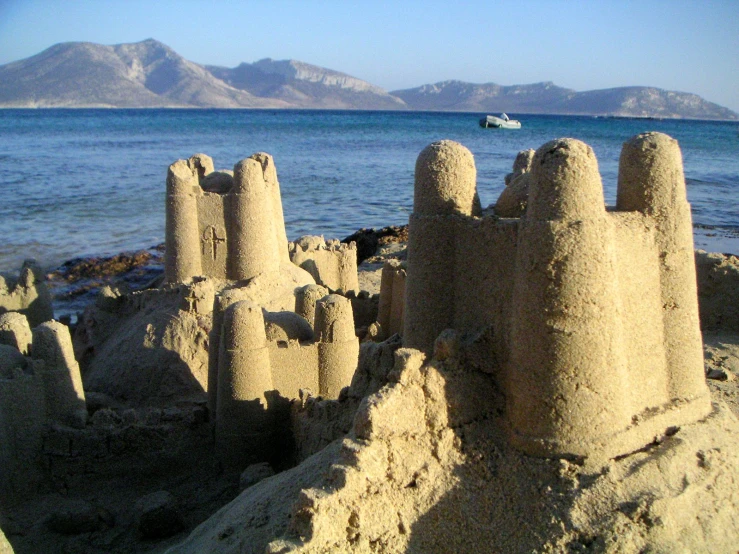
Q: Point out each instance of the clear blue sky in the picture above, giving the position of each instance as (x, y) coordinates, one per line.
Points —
(583, 45)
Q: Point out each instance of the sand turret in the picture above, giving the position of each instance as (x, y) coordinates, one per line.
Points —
(65, 397)
(445, 186)
(243, 422)
(273, 189)
(27, 294)
(338, 346)
(651, 181)
(15, 332)
(23, 421)
(252, 248)
(390, 311)
(306, 299)
(182, 260)
(567, 376)
(202, 164)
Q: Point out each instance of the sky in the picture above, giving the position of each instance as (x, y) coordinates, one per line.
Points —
(687, 46)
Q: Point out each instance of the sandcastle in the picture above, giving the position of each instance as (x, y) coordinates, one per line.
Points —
(588, 318)
(234, 231)
(571, 332)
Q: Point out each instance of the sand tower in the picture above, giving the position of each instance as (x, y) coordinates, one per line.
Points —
(338, 347)
(243, 421)
(65, 397)
(223, 225)
(587, 318)
(445, 193)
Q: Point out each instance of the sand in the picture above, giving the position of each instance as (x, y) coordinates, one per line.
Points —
(424, 468)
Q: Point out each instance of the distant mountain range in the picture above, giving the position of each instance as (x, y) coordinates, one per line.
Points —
(149, 74)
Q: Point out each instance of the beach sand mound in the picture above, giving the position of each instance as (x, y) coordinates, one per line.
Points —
(143, 347)
(426, 468)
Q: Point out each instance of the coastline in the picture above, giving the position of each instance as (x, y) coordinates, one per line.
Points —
(404, 110)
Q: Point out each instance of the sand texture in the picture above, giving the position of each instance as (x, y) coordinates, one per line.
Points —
(426, 469)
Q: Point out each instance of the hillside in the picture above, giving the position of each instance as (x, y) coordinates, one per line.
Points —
(149, 74)
(550, 99)
(144, 74)
(306, 86)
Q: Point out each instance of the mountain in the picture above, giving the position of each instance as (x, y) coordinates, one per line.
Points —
(306, 86)
(550, 99)
(143, 74)
(469, 97)
(149, 74)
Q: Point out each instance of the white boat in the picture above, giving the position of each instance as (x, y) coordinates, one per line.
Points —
(500, 122)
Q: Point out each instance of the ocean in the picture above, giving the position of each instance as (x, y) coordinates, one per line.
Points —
(92, 182)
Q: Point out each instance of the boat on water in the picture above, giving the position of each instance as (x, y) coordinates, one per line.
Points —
(499, 122)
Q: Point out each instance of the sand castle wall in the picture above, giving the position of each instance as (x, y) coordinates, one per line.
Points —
(331, 263)
(587, 317)
(718, 291)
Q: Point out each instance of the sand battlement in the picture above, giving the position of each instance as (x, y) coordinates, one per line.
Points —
(331, 263)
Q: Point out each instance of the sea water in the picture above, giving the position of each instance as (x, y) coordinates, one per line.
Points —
(92, 182)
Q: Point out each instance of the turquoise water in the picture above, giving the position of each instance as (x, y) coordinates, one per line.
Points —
(91, 182)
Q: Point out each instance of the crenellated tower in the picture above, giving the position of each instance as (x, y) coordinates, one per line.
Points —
(587, 317)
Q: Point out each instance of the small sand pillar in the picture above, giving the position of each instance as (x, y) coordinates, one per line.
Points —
(252, 245)
(15, 332)
(244, 424)
(305, 301)
(567, 381)
(273, 188)
(182, 239)
(221, 302)
(651, 181)
(444, 190)
(65, 397)
(392, 299)
(338, 346)
(397, 310)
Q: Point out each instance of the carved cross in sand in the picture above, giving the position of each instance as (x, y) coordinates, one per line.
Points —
(210, 237)
(192, 301)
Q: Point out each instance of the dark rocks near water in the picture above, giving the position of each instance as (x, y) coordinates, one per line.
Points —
(368, 240)
(90, 268)
(75, 283)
